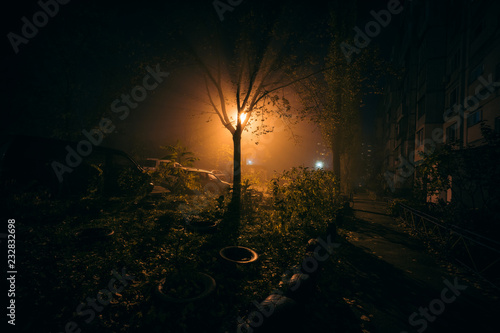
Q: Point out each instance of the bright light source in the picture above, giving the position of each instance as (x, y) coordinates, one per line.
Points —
(243, 116)
(249, 162)
(319, 165)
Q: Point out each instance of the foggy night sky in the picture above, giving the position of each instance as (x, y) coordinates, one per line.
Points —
(87, 54)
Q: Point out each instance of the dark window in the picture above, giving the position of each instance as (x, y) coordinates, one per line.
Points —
(421, 107)
(477, 31)
(453, 97)
(455, 61)
(452, 133)
(421, 53)
(474, 118)
(476, 73)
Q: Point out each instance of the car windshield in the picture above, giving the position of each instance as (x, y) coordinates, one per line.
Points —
(122, 162)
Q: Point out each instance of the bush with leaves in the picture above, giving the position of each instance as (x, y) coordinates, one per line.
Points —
(472, 177)
(304, 198)
(395, 206)
(180, 154)
(177, 180)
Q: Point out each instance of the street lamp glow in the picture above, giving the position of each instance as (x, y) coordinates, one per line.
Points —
(249, 162)
(243, 116)
(319, 165)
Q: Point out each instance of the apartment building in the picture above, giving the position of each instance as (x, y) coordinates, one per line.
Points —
(448, 53)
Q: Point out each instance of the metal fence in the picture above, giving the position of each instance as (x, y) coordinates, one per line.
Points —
(476, 252)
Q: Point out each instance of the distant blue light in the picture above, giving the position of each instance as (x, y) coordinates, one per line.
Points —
(319, 165)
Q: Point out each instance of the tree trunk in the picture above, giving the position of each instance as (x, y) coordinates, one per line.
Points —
(236, 199)
(336, 156)
(337, 135)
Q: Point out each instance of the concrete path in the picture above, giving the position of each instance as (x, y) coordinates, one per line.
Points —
(399, 286)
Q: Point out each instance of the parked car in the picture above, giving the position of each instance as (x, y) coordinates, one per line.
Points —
(221, 175)
(204, 181)
(56, 168)
(154, 164)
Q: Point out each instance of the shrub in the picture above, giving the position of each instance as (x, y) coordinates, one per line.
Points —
(176, 180)
(304, 198)
(394, 206)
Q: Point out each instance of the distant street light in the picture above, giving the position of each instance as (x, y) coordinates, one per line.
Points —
(319, 165)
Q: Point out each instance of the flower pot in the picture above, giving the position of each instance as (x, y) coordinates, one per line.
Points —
(182, 288)
(239, 254)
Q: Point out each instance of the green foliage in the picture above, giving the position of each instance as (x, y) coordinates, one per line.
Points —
(250, 198)
(131, 183)
(176, 180)
(117, 182)
(332, 99)
(304, 197)
(471, 174)
(394, 206)
(151, 241)
(255, 177)
(96, 184)
(180, 154)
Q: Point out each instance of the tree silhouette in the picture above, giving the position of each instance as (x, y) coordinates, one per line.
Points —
(249, 67)
(333, 98)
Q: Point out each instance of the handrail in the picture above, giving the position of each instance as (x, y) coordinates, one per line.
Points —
(473, 260)
(456, 229)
